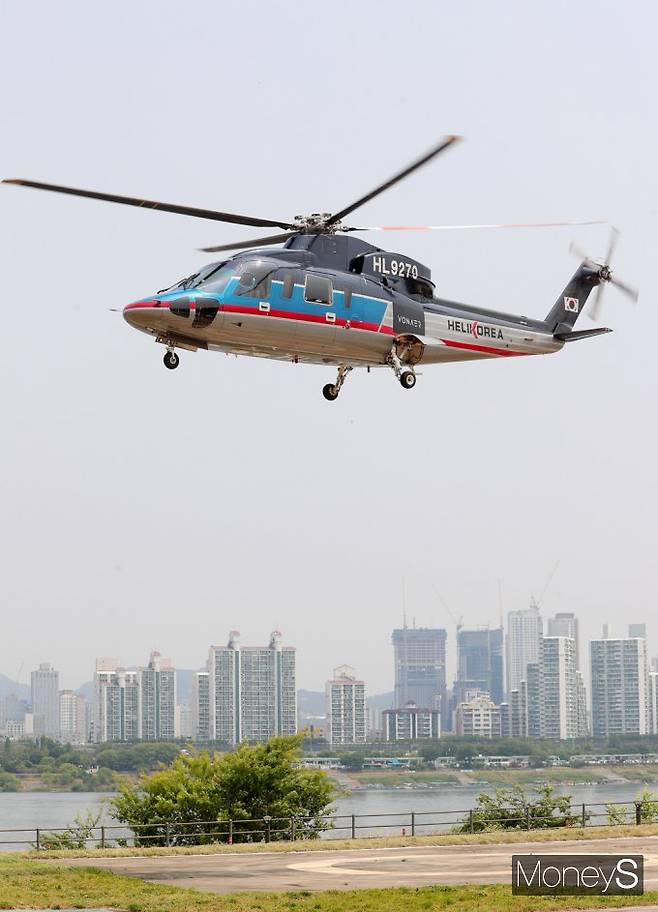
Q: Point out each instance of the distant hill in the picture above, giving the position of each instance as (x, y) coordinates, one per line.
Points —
(7, 686)
(86, 690)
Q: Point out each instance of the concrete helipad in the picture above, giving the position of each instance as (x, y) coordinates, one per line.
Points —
(361, 868)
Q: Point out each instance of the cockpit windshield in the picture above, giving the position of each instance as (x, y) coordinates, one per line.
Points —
(205, 277)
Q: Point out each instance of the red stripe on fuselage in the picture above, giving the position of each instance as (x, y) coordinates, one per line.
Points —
(485, 349)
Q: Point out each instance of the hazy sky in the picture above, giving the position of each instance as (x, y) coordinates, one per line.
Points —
(143, 508)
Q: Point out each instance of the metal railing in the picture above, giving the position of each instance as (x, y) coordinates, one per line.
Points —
(331, 826)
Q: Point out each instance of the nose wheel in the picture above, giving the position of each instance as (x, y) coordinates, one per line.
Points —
(171, 360)
(408, 380)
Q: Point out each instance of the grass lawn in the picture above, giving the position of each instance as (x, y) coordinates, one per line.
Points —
(32, 884)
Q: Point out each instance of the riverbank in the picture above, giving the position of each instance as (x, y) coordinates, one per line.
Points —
(563, 776)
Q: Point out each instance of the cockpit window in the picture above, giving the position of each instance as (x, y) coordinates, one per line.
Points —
(196, 279)
(255, 280)
(216, 281)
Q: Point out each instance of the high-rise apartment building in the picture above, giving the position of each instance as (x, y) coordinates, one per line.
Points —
(420, 666)
(637, 630)
(583, 719)
(201, 706)
(252, 694)
(514, 713)
(45, 700)
(524, 633)
(653, 702)
(73, 717)
(619, 686)
(346, 707)
(479, 663)
(478, 718)
(157, 682)
(565, 624)
(411, 723)
(117, 712)
(559, 692)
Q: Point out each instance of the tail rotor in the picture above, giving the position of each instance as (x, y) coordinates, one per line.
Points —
(605, 273)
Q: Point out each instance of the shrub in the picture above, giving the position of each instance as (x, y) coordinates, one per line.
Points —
(191, 801)
(513, 809)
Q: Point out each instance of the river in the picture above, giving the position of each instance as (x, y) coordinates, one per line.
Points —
(436, 809)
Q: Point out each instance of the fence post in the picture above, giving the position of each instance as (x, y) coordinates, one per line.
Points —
(527, 816)
(584, 816)
(638, 812)
(167, 835)
(353, 826)
(470, 821)
(38, 843)
(230, 832)
(267, 820)
(292, 829)
(102, 837)
(413, 823)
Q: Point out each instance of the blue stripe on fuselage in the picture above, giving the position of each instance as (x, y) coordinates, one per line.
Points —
(362, 308)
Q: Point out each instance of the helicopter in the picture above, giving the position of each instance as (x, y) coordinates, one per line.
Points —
(327, 297)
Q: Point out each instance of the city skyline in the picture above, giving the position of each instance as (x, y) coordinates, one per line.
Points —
(553, 621)
(247, 692)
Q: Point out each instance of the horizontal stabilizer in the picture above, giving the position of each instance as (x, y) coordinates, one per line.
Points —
(574, 336)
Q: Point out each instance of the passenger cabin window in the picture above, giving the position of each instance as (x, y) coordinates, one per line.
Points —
(255, 281)
(317, 290)
(288, 283)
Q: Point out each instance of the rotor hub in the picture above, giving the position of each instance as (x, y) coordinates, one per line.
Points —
(315, 223)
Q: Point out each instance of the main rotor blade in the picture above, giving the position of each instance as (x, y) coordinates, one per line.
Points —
(448, 141)
(256, 242)
(151, 204)
(466, 227)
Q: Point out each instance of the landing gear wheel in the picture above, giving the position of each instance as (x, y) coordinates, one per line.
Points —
(171, 360)
(330, 392)
(408, 379)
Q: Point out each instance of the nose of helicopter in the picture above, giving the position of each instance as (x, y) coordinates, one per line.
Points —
(137, 313)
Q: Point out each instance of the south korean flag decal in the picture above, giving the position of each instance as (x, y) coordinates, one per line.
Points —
(572, 305)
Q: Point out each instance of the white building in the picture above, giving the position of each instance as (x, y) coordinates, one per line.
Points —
(45, 700)
(620, 684)
(73, 717)
(411, 723)
(478, 718)
(346, 707)
(524, 632)
(559, 690)
(251, 692)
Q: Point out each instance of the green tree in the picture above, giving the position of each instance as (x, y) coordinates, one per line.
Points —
(9, 782)
(191, 801)
(513, 809)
